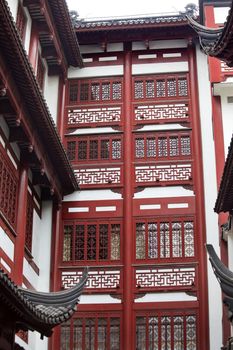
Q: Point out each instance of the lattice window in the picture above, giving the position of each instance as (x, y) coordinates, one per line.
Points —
(94, 333)
(164, 239)
(8, 189)
(95, 91)
(159, 146)
(94, 241)
(29, 225)
(166, 332)
(40, 73)
(21, 22)
(160, 87)
(95, 148)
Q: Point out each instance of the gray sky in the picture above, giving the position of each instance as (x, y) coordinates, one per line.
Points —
(105, 8)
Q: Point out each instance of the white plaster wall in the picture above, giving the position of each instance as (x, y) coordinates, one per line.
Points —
(98, 299)
(41, 244)
(102, 71)
(210, 188)
(220, 14)
(13, 5)
(168, 44)
(230, 249)
(165, 297)
(6, 244)
(92, 195)
(89, 131)
(154, 68)
(164, 192)
(28, 31)
(51, 86)
(224, 90)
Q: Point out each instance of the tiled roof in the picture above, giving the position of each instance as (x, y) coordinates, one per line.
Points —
(129, 22)
(40, 311)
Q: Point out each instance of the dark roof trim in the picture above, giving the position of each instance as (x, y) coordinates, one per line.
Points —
(120, 23)
(219, 42)
(225, 278)
(224, 200)
(66, 32)
(40, 311)
(16, 58)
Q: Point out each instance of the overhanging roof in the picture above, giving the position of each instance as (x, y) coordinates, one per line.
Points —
(216, 42)
(38, 311)
(17, 61)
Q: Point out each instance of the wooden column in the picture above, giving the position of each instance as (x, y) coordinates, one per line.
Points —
(61, 108)
(33, 48)
(21, 225)
(200, 214)
(56, 255)
(128, 194)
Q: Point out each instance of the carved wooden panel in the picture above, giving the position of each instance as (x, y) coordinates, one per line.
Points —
(98, 279)
(162, 112)
(99, 176)
(173, 277)
(167, 173)
(84, 116)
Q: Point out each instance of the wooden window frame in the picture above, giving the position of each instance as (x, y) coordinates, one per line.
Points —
(157, 136)
(95, 242)
(171, 258)
(21, 22)
(82, 98)
(73, 155)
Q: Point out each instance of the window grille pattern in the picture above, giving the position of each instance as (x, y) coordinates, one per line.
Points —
(29, 225)
(21, 22)
(91, 241)
(99, 176)
(97, 115)
(94, 333)
(161, 112)
(166, 332)
(40, 73)
(172, 173)
(8, 191)
(165, 239)
(162, 146)
(169, 277)
(85, 91)
(160, 87)
(93, 149)
(98, 279)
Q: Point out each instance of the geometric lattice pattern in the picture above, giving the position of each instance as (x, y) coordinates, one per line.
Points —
(98, 176)
(225, 69)
(80, 116)
(165, 173)
(166, 332)
(165, 277)
(8, 191)
(161, 111)
(91, 333)
(98, 279)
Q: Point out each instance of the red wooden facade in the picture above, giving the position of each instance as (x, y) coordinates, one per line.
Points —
(135, 247)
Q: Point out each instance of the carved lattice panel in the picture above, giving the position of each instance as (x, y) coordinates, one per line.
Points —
(97, 115)
(98, 279)
(98, 176)
(225, 69)
(163, 173)
(8, 190)
(165, 277)
(161, 112)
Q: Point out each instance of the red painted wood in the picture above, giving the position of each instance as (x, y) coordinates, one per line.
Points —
(61, 108)
(21, 225)
(128, 209)
(33, 48)
(199, 189)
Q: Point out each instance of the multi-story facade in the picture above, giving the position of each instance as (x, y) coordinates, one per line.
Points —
(133, 107)
(138, 131)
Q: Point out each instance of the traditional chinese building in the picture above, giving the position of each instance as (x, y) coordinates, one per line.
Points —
(134, 109)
